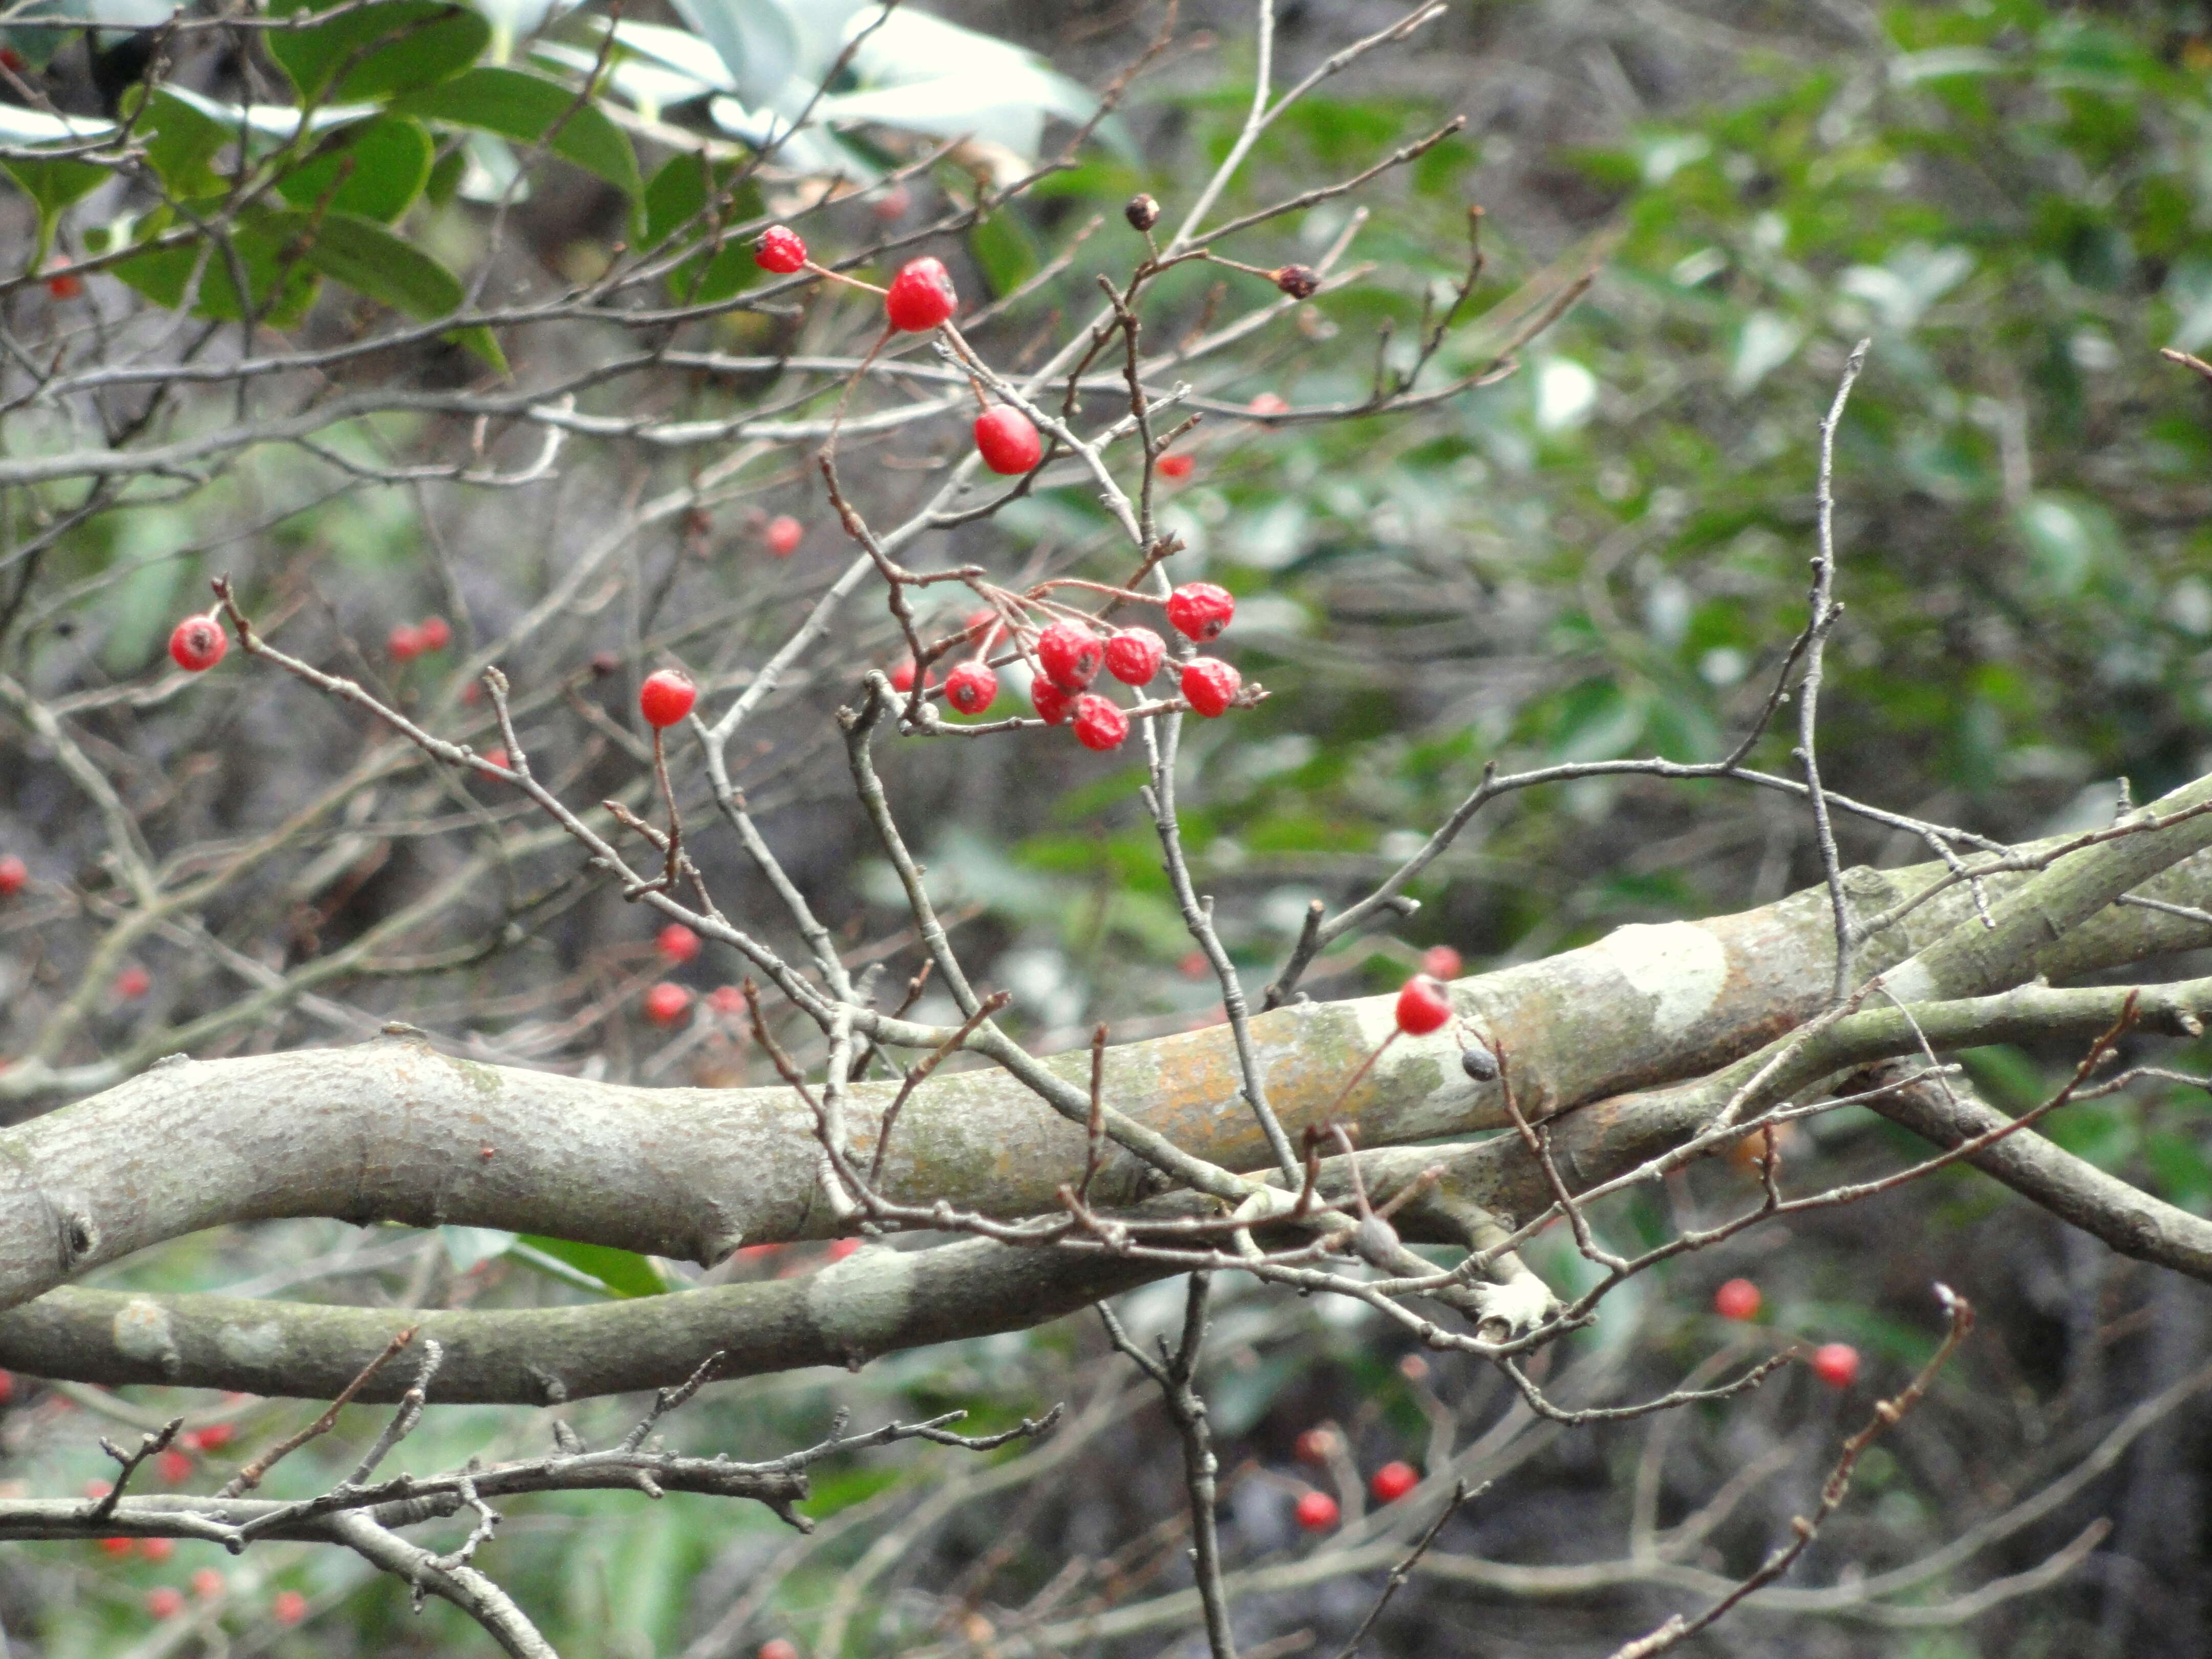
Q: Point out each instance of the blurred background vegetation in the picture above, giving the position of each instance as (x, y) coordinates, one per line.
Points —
(1604, 555)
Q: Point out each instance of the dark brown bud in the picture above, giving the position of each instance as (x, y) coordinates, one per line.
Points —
(1142, 212)
(1299, 281)
(605, 663)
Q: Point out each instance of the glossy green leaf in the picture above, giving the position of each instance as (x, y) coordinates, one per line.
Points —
(623, 1272)
(527, 108)
(1006, 251)
(379, 49)
(378, 173)
(280, 284)
(51, 186)
(182, 143)
(672, 205)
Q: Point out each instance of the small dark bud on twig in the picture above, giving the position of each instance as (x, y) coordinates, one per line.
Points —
(1299, 281)
(1478, 1062)
(1142, 212)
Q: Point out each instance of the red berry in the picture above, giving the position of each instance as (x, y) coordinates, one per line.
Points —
(198, 643)
(779, 249)
(666, 696)
(1316, 1511)
(1423, 1007)
(979, 622)
(842, 1248)
(208, 1584)
(1393, 1481)
(14, 873)
(173, 1467)
(784, 535)
(214, 1436)
(12, 59)
(1209, 685)
(1049, 701)
(433, 633)
(1099, 724)
(971, 688)
(1176, 466)
(727, 999)
(132, 983)
(166, 1601)
(1199, 611)
(158, 1549)
(1836, 1363)
(1268, 403)
(1006, 440)
(1315, 1446)
(1071, 655)
(1134, 656)
(118, 1547)
(498, 757)
(65, 286)
(664, 1004)
(1737, 1299)
(777, 1648)
(903, 676)
(677, 942)
(920, 297)
(288, 1607)
(1441, 962)
(892, 203)
(404, 642)
(7, 1386)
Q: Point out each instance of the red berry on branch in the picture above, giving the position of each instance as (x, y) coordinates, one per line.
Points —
(1134, 656)
(214, 1436)
(1393, 1481)
(115, 1546)
(1071, 655)
(157, 1549)
(14, 874)
(498, 757)
(892, 205)
(666, 1004)
(903, 676)
(12, 59)
(1316, 1511)
(727, 999)
(920, 296)
(1210, 685)
(1007, 441)
(1314, 1446)
(1176, 466)
(1268, 403)
(1049, 701)
(979, 622)
(404, 642)
(7, 1386)
(165, 1601)
(198, 643)
(971, 688)
(1423, 1006)
(132, 983)
(677, 942)
(288, 1607)
(1737, 1299)
(173, 1467)
(1836, 1363)
(779, 249)
(1099, 724)
(784, 535)
(434, 633)
(65, 285)
(1441, 962)
(666, 696)
(208, 1584)
(1200, 610)
(777, 1648)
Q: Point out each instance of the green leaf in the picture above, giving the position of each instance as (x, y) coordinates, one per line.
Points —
(365, 256)
(51, 186)
(280, 284)
(623, 1272)
(446, 175)
(380, 168)
(1007, 252)
(381, 50)
(182, 143)
(526, 108)
(672, 201)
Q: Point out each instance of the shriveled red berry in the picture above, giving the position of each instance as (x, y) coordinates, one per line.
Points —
(132, 983)
(1200, 610)
(1210, 685)
(197, 644)
(1423, 1006)
(1099, 723)
(404, 642)
(288, 1607)
(779, 249)
(1049, 701)
(1268, 403)
(1176, 466)
(1441, 962)
(1134, 656)
(666, 1004)
(1071, 655)
(1836, 1363)
(434, 633)
(1316, 1511)
(1006, 440)
(1393, 1481)
(666, 696)
(920, 296)
(165, 1601)
(1142, 212)
(676, 943)
(784, 535)
(1314, 1446)
(1299, 281)
(14, 874)
(971, 688)
(1737, 1299)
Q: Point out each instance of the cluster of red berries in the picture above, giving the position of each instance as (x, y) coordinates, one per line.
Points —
(1836, 1363)
(1316, 1510)
(411, 640)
